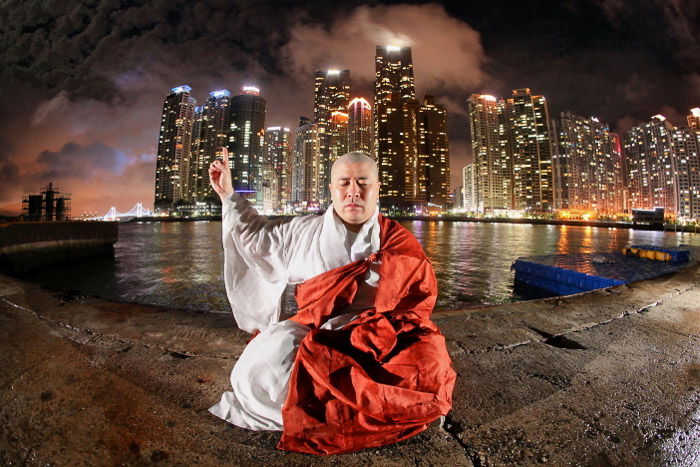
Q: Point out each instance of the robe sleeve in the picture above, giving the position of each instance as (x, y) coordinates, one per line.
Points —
(255, 263)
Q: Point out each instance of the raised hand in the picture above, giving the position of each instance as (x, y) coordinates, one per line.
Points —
(220, 175)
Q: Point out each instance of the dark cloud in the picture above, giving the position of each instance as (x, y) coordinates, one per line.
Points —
(74, 161)
(9, 172)
(678, 21)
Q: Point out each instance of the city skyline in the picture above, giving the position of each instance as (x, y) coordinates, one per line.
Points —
(88, 121)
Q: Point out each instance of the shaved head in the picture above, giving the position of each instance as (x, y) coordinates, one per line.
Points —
(355, 158)
(354, 189)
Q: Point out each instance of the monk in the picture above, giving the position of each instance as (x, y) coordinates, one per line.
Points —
(361, 364)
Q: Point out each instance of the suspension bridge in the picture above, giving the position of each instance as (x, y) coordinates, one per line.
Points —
(113, 215)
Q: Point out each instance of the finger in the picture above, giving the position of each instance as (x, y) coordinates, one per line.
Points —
(224, 156)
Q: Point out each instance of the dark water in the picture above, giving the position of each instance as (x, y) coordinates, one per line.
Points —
(179, 264)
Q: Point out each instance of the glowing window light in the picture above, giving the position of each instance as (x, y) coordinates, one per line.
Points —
(332, 72)
(392, 48)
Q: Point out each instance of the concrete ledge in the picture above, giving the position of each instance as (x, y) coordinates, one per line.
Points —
(608, 377)
(28, 245)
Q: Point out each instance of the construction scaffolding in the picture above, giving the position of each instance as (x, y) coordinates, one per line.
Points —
(49, 205)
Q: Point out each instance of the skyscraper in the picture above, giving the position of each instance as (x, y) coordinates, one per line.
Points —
(433, 163)
(622, 194)
(174, 145)
(651, 165)
(214, 133)
(587, 169)
(331, 95)
(686, 150)
(195, 147)
(469, 188)
(337, 146)
(530, 143)
(490, 151)
(395, 128)
(360, 126)
(305, 165)
(278, 165)
(247, 134)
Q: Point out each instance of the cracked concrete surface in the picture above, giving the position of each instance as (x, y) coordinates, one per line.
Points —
(608, 377)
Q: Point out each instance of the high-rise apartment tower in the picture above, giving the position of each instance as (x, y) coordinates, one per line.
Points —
(277, 166)
(490, 152)
(587, 168)
(174, 146)
(305, 165)
(360, 126)
(531, 148)
(395, 128)
(651, 165)
(331, 95)
(246, 143)
(433, 164)
(213, 133)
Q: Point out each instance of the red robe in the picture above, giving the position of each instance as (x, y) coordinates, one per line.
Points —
(386, 375)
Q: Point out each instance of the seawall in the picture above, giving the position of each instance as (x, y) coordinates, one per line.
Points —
(604, 378)
(28, 245)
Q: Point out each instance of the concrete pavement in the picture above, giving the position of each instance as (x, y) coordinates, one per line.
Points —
(605, 378)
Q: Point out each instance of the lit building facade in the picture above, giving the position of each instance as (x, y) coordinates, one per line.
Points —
(587, 171)
(469, 188)
(622, 195)
(337, 146)
(305, 165)
(196, 146)
(490, 150)
(331, 96)
(247, 137)
(174, 146)
(213, 133)
(457, 197)
(277, 165)
(360, 126)
(531, 151)
(395, 128)
(433, 162)
(651, 165)
(686, 142)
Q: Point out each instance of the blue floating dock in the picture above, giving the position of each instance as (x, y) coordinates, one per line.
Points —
(554, 275)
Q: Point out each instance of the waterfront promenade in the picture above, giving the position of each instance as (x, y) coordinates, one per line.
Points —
(608, 377)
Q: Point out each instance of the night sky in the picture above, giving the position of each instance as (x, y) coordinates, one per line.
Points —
(83, 83)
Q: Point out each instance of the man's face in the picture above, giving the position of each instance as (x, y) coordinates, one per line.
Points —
(354, 191)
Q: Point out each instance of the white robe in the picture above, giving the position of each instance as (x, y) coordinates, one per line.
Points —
(261, 256)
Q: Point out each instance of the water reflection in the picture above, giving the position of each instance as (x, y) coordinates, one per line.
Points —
(180, 264)
(472, 260)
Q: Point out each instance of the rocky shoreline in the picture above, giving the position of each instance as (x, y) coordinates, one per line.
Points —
(607, 377)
